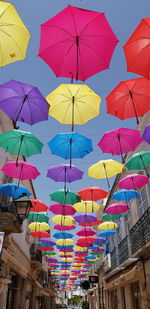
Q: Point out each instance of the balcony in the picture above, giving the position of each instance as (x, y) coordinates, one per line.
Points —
(8, 221)
(123, 249)
(114, 263)
(36, 256)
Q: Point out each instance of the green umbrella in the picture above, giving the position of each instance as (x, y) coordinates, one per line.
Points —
(48, 252)
(97, 253)
(65, 197)
(37, 217)
(40, 244)
(108, 217)
(20, 143)
(139, 161)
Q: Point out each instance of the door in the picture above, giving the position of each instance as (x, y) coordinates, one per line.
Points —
(136, 295)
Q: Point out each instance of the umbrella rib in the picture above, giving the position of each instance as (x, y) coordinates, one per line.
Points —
(65, 57)
(90, 47)
(13, 40)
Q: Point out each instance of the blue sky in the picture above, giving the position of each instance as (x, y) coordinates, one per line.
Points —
(123, 17)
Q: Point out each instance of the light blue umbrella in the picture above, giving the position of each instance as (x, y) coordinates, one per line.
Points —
(125, 195)
(64, 235)
(13, 190)
(106, 233)
(70, 145)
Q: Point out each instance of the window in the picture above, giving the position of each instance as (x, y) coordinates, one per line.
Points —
(114, 300)
(136, 296)
(142, 202)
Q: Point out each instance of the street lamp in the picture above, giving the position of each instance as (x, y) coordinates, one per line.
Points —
(21, 207)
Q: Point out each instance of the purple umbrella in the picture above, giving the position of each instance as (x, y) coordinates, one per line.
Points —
(146, 134)
(100, 240)
(47, 241)
(64, 173)
(85, 218)
(23, 102)
(49, 259)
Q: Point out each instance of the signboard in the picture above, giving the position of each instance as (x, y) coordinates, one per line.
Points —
(93, 279)
(1, 242)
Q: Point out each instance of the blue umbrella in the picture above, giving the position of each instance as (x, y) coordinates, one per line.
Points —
(64, 235)
(107, 233)
(70, 145)
(125, 195)
(13, 190)
(64, 247)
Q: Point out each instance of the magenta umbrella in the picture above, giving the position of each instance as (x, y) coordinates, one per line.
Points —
(100, 249)
(64, 227)
(77, 43)
(86, 232)
(60, 209)
(117, 208)
(22, 170)
(133, 181)
(120, 141)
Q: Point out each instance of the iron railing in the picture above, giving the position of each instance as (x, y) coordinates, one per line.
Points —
(113, 259)
(123, 250)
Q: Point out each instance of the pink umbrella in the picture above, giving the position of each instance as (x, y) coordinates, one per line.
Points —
(117, 208)
(61, 209)
(86, 232)
(77, 43)
(21, 171)
(64, 227)
(120, 141)
(133, 181)
(100, 249)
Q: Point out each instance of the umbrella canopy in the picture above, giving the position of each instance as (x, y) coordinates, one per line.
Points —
(86, 206)
(38, 217)
(39, 234)
(38, 206)
(22, 170)
(64, 227)
(146, 134)
(77, 43)
(139, 161)
(96, 222)
(92, 194)
(50, 249)
(116, 208)
(64, 242)
(99, 240)
(105, 169)
(107, 233)
(63, 220)
(85, 218)
(125, 100)
(60, 209)
(23, 102)
(110, 217)
(68, 260)
(13, 190)
(125, 195)
(120, 141)
(86, 232)
(108, 225)
(65, 197)
(137, 49)
(14, 35)
(47, 241)
(65, 253)
(70, 145)
(86, 239)
(80, 249)
(39, 226)
(64, 173)
(133, 181)
(62, 235)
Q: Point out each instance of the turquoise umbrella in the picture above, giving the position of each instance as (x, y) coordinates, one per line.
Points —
(139, 161)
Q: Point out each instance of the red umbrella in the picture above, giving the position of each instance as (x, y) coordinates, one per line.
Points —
(92, 194)
(86, 240)
(77, 43)
(137, 49)
(130, 98)
(38, 206)
(86, 232)
(97, 222)
(39, 234)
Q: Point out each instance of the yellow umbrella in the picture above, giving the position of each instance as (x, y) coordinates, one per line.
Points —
(105, 169)
(67, 260)
(63, 220)
(86, 206)
(78, 104)
(65, 253)
(14, 36)
(108, 225)
(64, 242)
(39, 226)
(77, 264)
(49, 255)
(65, 271)
(78, 248)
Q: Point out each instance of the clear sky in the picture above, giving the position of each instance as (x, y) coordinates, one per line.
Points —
(123, 16)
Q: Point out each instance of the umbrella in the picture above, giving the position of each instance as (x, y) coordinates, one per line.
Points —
(78, 248)
(125, 195)
(63, 220)
(86, 206)
(65, 253)
(105, 169)
(92, 194)
(38, 206)
(65, 197)
(70, 145)
(39, 234)
(45, 248)
(96, 222)
(62, 235)
(109, 217)
(47, 241)
(107, 233)
(139, 161)
(64, 227)
(67, 259)
(23, 102)
(120, 141)
(137, 49)
(14, 35)
(39, 226)
(64, 242)
(108, 225)
(21, 171)
(125, 100)
(146, 134)
(37, 216)
(60, 209)
(20, 143)
(116, 208)
(100, 240)
(77, 43)
(86, 239)
(50, 259)
(64, 173)
(85, 218)
(13, 190)
(78, 105)
(84, 244)
(133, 181)
(86, 232)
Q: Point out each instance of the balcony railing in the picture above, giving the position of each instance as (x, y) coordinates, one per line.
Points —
(36, 255)
(123, 249)
(140, 233)
(113, 259)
